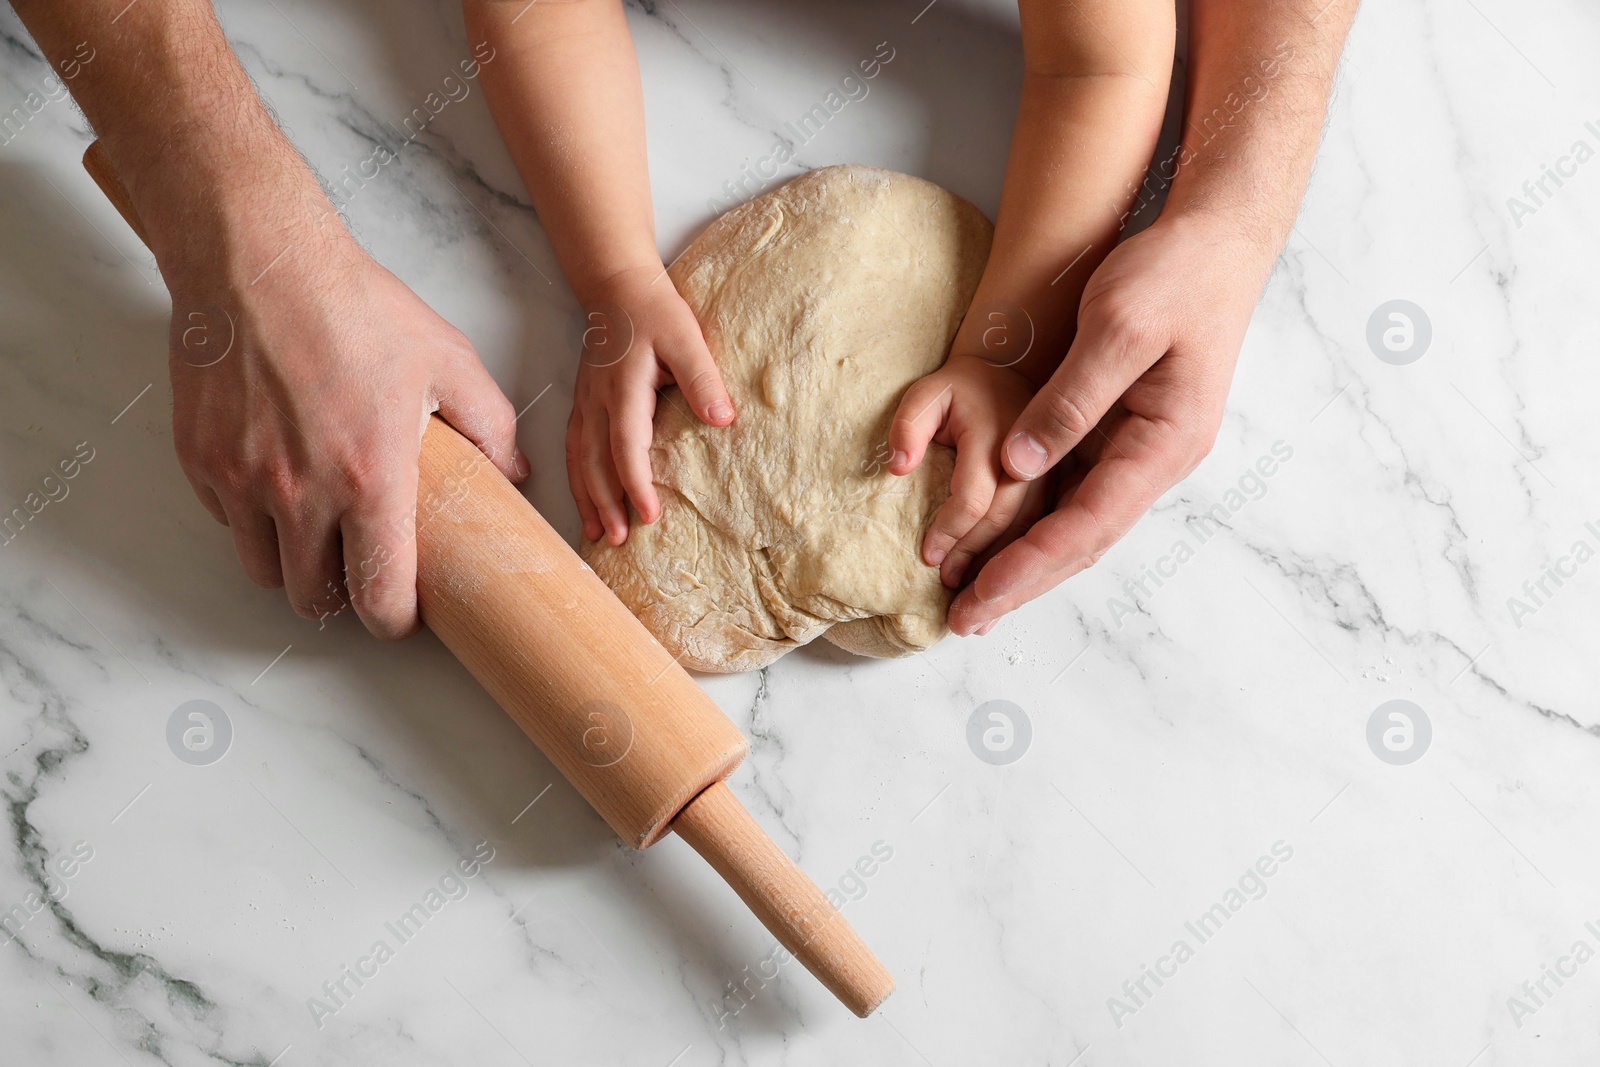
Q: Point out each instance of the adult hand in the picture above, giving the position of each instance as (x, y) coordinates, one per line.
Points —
(1133, 407)
(302, 372)
(301, 387)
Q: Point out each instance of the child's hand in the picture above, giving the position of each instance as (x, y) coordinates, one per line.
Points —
(968, 403)
(639, 336)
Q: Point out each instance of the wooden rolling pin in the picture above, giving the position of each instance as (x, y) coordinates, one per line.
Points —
(600, 697)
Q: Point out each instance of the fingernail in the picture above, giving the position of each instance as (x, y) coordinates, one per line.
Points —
(936, 557)
(522, 466)
(721, 411)
(898, 458)
(1027, 455)
(983, 631)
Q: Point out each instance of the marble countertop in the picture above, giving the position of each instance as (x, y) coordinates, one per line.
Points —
(1211, 758)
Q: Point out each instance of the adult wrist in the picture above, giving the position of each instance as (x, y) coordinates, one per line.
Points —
(1249, 233)
(225, 203)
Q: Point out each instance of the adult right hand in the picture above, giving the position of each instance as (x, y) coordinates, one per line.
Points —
(303, 374)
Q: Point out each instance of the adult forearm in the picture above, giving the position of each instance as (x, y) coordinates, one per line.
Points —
(1259, 77)
(190, 139)
(567, 99)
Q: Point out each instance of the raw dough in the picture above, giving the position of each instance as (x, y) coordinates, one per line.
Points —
(821, 301)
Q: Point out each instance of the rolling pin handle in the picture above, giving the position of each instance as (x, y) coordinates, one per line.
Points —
(788, 903)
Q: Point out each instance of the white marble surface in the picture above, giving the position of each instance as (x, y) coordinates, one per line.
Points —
(1169, 752)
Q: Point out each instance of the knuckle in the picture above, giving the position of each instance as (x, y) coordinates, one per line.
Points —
(208, 464)
(991, 526)
(191, 456)
(365, 473)
(454, 344)
(1067, 412)
(1120, 319)
(501, 411)
(971, 509)
(386, 617)
(261, 576)
(282, 486)
(595, 448)
(230, 480)
(394, 629)
(625, 446)
(901, 431)
(961, 557)
(703, 381)
(629, 424)
(914, 412)
(1200, 446)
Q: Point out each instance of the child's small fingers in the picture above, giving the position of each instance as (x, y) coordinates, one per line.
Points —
(1035, 501)
(1008, 500)
(697, 377)
(972, 486)
(592, 527)
(600, 475)
(631, 429)
(964, 566)
(921, 412)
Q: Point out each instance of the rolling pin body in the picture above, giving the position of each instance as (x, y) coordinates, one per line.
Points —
(626, 725)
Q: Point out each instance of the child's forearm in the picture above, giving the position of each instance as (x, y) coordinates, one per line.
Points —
(1094, 91)
(564, 90)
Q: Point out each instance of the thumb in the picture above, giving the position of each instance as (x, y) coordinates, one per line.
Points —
(1111, 350)
(697, 377)
(471, 402)
(921, 412)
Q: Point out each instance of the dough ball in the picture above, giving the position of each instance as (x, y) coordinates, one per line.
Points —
(821, 301)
